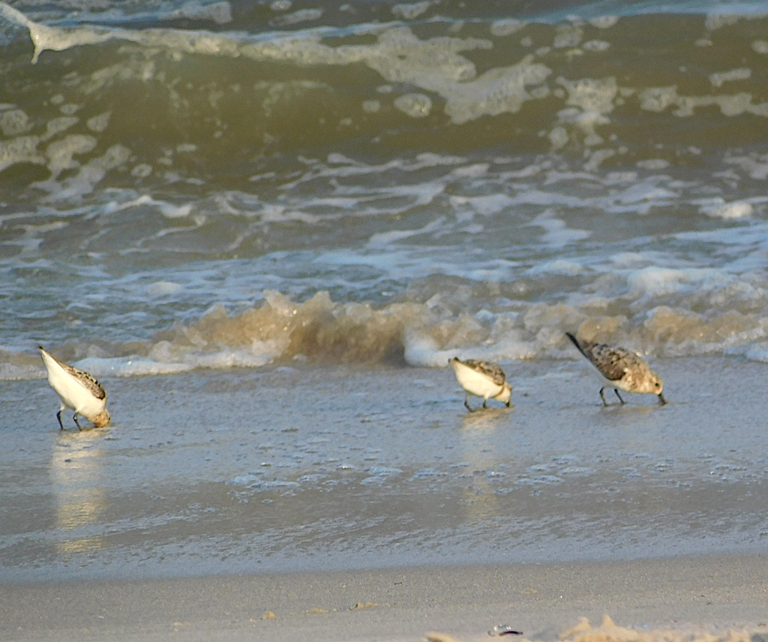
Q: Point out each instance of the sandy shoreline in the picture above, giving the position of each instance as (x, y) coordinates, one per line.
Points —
(219, 496)
(713, 593)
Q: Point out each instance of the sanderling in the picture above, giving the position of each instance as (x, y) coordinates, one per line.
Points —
(77, 390)
(481, 379)
(621, 369)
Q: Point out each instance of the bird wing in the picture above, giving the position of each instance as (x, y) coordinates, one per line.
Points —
(87, 380)
(489, 369)
(612, 361)
(90, 382)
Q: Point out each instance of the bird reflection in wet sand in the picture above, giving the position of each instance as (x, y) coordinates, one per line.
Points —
(619, 369)
(77, 390)
(481, 379)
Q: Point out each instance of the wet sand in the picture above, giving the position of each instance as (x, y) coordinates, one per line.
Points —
(220, 495)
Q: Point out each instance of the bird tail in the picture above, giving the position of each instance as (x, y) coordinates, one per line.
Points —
(575, 342)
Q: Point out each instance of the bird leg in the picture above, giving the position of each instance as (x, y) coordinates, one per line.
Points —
(466, 403)
(485, 403)
(79, 427)
(616, 390)
(602, 396)
(58, 416)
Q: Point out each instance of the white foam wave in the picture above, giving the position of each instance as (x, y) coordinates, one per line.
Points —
(718, 208)
(434, 65)
(129, 367)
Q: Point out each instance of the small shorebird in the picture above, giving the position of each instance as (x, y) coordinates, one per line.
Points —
(481, 379)
(619, 369)
(77, 390)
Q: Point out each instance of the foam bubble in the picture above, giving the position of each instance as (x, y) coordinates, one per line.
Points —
(736, 209)
(381, 475)
(434, 65)
(660, 98)
(56, 126)
(716, 21)
(415, 105)
(142, 170)
(719, 78)
(61, 153)
(499, 90)
(303, 15)
(423, 350)
(14, 122)
(591, 94)
(557, 232)
(169, 210)
(653, 163)
(411, 11)
(658, 281)
(53, 39)
(483, 205)
(596, 45)
(568, 35)
(14, 367)
(90, 174)
(657, 99)
(604, 22)
(507, 27)
(130, 367)
(164, 288)
(557, 266)
(218, 12)
(22, 149)
(247, 479)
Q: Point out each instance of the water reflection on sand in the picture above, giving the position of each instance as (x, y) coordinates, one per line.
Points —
(480, 452)
(77, 480)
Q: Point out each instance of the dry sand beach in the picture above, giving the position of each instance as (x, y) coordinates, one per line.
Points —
(379, 509)
(681, 599)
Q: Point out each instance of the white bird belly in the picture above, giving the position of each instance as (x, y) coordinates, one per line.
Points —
(607, 382)
(72, 393)
(475, 382)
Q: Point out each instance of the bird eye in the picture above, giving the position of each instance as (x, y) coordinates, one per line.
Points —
(657, 384)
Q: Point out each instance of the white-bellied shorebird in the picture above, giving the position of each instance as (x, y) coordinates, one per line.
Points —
(619, 369)
(77, 390)
(482, 379)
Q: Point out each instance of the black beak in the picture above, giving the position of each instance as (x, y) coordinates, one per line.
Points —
(661, 398)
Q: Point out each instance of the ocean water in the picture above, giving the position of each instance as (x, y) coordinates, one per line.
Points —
(219, 184)
(267, 226)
